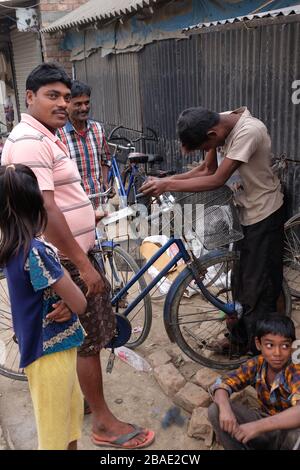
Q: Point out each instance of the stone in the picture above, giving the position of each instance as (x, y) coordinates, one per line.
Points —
(158, 358)
(191, 396)
(169, 379)
(205, 377)
(199, 426)
(189, 370)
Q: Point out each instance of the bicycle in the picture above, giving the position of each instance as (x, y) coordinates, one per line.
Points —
(200, 301)
(134, 174)
(119, 267)
(199, 304)
(194, 322)
(291, 253)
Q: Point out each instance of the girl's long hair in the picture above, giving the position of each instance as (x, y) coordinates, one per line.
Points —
(22, 212)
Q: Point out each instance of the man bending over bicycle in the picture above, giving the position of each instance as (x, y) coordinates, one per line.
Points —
(246, 151)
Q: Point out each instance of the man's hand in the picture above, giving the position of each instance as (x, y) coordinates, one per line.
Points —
(60, 313)
(155, 186)
(246, 432)
(227, 420)
(99, 215)
(93, 281)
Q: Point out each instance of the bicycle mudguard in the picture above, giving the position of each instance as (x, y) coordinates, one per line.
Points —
(174, 288)
(169, 301)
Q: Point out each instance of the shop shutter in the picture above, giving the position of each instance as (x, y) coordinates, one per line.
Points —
(26, 55)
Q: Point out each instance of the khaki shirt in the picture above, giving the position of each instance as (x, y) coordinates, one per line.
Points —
(259, 193)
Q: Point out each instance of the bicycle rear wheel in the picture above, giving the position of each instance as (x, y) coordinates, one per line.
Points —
(196, 325)
(291, 254)
(9, 350)
(120, 267)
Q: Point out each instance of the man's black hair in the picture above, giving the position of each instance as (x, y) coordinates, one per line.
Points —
(275, 324)
(47, 73)
(80, 89)
(193, 125)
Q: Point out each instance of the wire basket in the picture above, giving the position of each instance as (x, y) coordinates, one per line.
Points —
(210, 217)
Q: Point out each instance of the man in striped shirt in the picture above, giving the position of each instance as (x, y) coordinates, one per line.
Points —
(85, 140)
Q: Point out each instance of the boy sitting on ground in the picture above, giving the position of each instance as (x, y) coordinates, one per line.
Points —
(276, 377)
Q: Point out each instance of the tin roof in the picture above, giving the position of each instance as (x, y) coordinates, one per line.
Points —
(292, 10)
(96, 10)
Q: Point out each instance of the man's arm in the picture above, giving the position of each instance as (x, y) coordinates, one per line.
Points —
(104, 171)
(195, 184)
(207, 167)
(287, 419)
(227, 417)
(60, 235)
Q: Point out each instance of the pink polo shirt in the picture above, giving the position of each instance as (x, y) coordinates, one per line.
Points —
(32, 144)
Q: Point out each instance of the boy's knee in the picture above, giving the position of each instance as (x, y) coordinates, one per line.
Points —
(213, 414)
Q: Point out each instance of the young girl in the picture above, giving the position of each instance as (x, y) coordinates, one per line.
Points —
(36, 281)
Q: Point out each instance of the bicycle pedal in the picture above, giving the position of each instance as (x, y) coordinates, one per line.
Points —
(110, 363)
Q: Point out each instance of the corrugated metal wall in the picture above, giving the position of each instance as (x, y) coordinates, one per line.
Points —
(221, 70)
(116, 91)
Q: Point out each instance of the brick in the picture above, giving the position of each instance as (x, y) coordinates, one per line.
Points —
(199, 426)
(205, 377)
(191, 396)
(169, 379)
(158, 358)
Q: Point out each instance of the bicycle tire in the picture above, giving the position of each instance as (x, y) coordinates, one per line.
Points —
(291, 254)
(10, 367)
(141, 321)
(193, 343)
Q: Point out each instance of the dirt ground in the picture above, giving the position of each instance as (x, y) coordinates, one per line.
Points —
(133, 396)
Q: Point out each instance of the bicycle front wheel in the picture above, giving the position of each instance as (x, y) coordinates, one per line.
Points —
(9, 350)
(291, 254)
(196, 325)
(120, 267)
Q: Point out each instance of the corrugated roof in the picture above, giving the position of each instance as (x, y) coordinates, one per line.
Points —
(292, 10)
(97, 10)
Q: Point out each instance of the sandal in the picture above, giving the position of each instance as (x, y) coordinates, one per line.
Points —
(124, 438)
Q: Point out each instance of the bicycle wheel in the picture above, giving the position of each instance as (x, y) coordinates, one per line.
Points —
(120, 268)
(9, 350)
(291, 254)
(195, 324)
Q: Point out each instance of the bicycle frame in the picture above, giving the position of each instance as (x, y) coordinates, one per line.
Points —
(115, 173)
(228, 308)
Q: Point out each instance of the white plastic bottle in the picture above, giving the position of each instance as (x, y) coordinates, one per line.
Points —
(132, 358)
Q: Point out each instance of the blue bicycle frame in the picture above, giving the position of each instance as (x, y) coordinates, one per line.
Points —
(182, 254)
(115, 173)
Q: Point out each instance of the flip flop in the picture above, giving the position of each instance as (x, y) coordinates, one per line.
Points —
(120, 441)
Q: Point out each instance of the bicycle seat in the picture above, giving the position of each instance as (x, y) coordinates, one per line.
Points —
(137, 157)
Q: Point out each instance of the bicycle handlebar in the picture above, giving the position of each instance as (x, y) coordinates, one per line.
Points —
(121, 147)
(142, 136)
(105, 193)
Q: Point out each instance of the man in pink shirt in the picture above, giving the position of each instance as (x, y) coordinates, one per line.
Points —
(71, 228)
